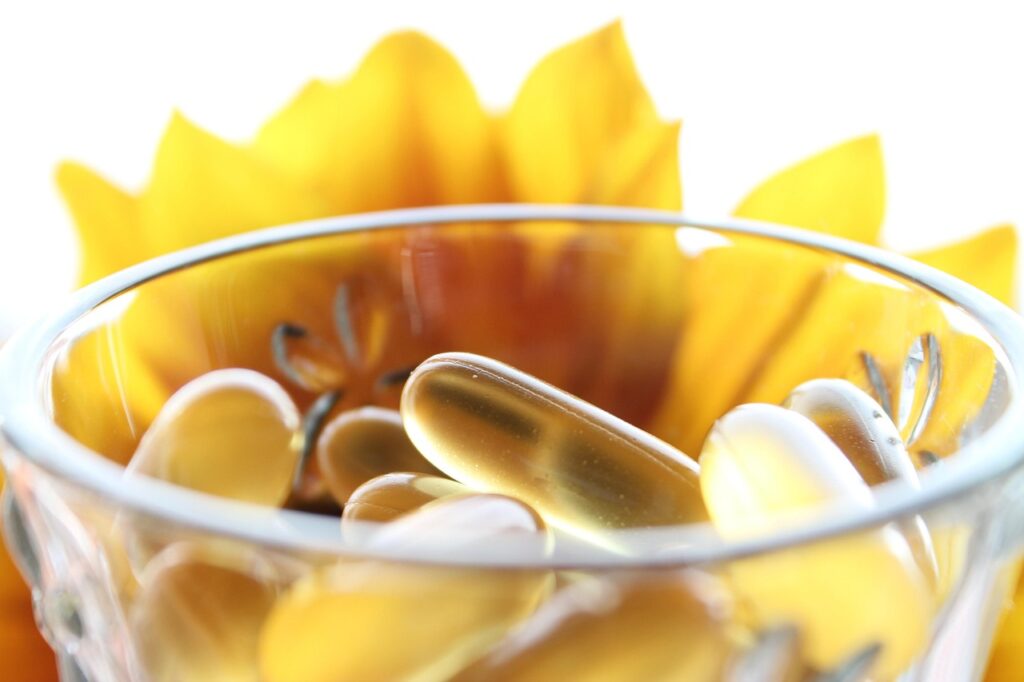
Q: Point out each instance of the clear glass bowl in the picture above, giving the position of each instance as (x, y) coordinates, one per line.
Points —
(664, 321)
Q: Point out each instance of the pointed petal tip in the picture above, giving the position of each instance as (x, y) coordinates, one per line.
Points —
(839, 191)
(414, 45)
(987, 260)
(66, 172)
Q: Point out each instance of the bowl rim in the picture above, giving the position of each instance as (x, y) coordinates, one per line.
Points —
(27, 428)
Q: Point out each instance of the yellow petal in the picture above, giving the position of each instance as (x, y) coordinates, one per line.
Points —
(740, 302)
(640, 170)
(1006, 664)
(107, 220)
(854, 313)
(840, 191)
(406, 130)
(203, 188)
(575, 106)
(987, 260)
(103, 394)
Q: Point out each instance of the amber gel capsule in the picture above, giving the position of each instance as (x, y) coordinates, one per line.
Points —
(198, 617)
(870, 440)
(377, 620)
(230, 432)
(496, 428)
(762, 463)
(364, 443)
(658, 627)
(389, 496)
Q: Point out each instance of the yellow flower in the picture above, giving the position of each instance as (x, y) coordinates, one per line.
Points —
(840, 191)
(407, 129)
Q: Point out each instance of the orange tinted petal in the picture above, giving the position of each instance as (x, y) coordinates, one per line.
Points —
(107, 220)
(22, 648)
(987, 260)
(840, 191)
(406, 130)
(642, 169)
(575, 107)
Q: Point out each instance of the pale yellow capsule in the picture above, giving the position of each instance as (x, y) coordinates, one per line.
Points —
(464, 520)
(871, 441)
(230, 432)
(760, 465)
(496, 428)
(362, 444)
(387, 497)
(376, 620)
(664, 627)
(198, 617)
(858, 425)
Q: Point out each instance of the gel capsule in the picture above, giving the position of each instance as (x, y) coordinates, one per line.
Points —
(378, 620)
(651, 628)
(230, 432)
(858, 425)
(495, 428)
(361, 444)
(462, 521)
(199, 619)
(870, 440)
(761, 464)
(387, 497)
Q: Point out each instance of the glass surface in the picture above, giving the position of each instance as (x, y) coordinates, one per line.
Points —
(661, 322)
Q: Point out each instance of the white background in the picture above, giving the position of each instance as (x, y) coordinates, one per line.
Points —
(759, 85)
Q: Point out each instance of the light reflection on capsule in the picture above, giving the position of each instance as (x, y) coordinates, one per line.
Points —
(495, 428)
(668, 626)
(230, 432)
(762, 463)
(871, 441)
(387, 497)
(197, 617)
(377, 620)
(362, 444)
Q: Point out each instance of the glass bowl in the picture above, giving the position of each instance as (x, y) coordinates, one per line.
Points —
(663, 321)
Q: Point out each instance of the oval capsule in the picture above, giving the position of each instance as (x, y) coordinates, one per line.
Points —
(198, 618)
(387, 497)
(377, 620)
(761, 465)
(857, 425)
(230, 432)
(651, 628)
(462, 521)
(870, 440)
(496, 428)
(362, 444)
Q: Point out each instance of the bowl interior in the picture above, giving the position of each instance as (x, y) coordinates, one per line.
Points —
(666, 327)
(664, 322)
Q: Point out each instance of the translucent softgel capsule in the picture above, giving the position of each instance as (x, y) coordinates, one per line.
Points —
(465, 520)
(870, 440)
(230, 432)
(858, 425)
(661, 627)
(361, 444)
(389, 621)
(760, 465)
(198, 617)
(387, 497)
(495, 428)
